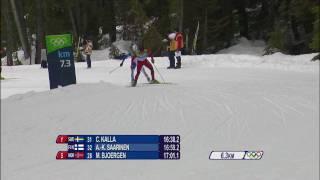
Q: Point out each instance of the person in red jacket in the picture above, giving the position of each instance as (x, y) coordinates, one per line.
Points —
(179, 46)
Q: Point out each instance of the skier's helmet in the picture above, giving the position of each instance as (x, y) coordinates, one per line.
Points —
(141, 47)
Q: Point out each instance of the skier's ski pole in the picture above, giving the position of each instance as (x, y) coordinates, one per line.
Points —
(113, 70)
(119, 66)
(159, 72)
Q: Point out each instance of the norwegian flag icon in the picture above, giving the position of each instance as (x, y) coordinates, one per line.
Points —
(62, 155)
(79, 155)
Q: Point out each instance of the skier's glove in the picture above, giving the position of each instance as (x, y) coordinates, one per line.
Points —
(152, 60)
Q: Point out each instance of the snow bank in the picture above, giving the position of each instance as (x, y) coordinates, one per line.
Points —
(100, 55)
(244, 46)
(246, 54)
(20, 55)
(277, 61)
(123, 46)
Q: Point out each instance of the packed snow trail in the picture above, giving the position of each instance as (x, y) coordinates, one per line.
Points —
(211, 107)
(22, 79)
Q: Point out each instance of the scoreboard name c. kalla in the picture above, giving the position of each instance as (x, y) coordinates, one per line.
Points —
(106, 139)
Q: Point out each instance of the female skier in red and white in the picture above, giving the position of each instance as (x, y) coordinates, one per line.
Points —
(141, 58)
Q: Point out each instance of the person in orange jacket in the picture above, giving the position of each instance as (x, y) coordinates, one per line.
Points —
(175, 47)
(171, 49)
(179, 46)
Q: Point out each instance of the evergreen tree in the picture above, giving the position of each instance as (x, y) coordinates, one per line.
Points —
(315, 44)
(292, 26)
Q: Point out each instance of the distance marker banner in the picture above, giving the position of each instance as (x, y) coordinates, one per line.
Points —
(60, 60)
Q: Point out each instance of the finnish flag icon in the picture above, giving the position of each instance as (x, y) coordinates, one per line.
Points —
(79, 147)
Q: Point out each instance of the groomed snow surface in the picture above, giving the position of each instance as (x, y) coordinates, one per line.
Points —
(215, 102)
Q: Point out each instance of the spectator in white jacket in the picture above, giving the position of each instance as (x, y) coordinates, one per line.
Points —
(88, 51)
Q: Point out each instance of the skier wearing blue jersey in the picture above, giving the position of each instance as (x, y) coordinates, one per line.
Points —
(133, 65)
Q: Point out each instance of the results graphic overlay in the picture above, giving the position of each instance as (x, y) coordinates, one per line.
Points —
(121, 147)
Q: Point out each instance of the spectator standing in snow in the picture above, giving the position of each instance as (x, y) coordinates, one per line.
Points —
(172, 48)
(88, 51)
(44, 63)
(179, 46)
(2, 52)
(175, 47)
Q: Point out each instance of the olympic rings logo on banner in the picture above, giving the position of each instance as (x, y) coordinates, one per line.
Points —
(254, 154)
(58, 42)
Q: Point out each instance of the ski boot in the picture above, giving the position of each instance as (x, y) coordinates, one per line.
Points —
(178, 65)
(154, 81)
(133, 83)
